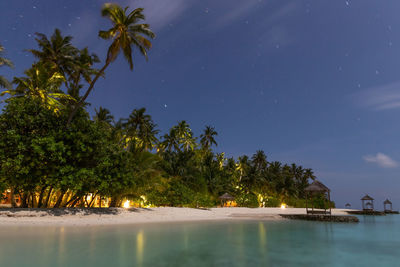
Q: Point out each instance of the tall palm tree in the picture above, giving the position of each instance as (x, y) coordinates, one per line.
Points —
(4, 62)
(57, 53)
(125, 33)
(103, 115)
(82, 70)
(207, 137)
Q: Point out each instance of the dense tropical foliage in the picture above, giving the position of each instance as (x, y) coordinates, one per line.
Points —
(53, 154)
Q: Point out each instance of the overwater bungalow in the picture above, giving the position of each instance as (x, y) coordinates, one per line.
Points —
(367, 203)
(387, 206)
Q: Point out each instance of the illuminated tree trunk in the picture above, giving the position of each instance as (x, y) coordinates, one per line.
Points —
(59, 200)
(46, 203)
(12, 196)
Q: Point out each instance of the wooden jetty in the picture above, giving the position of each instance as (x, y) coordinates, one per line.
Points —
(321, 218)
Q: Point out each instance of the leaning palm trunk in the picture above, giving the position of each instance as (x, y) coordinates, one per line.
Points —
(46, 203)
(59, 200)
(82, 100)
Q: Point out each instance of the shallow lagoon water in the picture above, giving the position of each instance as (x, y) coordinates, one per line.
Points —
(375, 241)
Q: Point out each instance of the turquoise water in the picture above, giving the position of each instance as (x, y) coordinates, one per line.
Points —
(375, 241)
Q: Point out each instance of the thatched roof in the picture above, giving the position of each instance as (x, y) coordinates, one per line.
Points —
(348, 205)
(317, 186)
(387, 201)
(366, 197)
(226, 196)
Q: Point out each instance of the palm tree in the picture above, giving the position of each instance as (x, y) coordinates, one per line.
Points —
(259, 160)
(82, 69)
(141, 130)
(207, 137)
(170, 142)
(4, 62)
(103, 115)
(185, 135)
(220, 158)
(57, 53)
(39, 83)
(125, 33)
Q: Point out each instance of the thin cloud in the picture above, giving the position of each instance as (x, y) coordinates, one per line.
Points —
(235, 12)
(382, 160)
(243, 9)
(384, 97)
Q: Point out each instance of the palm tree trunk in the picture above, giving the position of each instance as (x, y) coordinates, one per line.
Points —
(46, 203)
(59, 200)
(41, 195)
(72, 199)
(12, 196)
(82, 100)
(24, 199)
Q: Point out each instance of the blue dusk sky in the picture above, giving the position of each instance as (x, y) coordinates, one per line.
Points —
(311, 82)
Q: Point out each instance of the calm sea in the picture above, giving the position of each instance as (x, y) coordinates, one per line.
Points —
(375, 241)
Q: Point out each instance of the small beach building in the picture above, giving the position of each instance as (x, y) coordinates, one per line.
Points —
(314, 189)
(347, 206)
(367, 203)
(227, 200)
(387, 205)
(6, 199)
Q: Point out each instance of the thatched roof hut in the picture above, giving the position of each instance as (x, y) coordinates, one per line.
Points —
(227, 200)
(387, 205)
(387, 201)
(369, 206)
(367, 197)
(316, 187)
(226, 197)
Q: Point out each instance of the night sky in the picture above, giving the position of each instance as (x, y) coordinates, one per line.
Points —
(311, 82)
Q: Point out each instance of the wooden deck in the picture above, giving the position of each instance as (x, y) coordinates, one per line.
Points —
(366, 212)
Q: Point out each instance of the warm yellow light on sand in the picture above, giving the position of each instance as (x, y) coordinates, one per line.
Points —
(283, 206)
(126, 204)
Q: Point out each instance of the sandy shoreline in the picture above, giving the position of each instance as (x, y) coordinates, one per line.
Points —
(144, 216)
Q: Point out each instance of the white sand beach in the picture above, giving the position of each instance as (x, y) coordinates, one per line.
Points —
(153, 215)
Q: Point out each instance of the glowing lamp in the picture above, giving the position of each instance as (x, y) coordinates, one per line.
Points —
(126, 204)
(283, 206)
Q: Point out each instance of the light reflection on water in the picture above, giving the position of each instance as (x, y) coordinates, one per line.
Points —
(375, 241)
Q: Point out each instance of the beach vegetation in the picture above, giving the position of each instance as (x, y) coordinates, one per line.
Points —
(54, 153)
